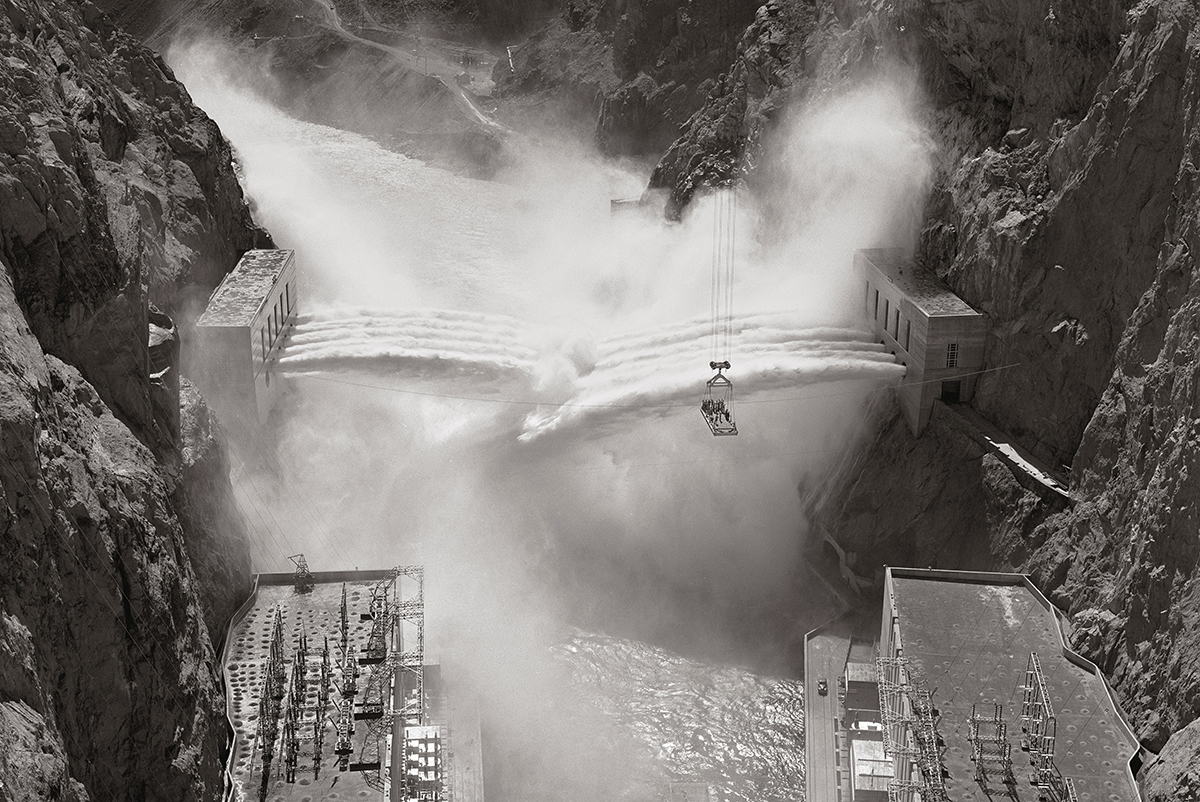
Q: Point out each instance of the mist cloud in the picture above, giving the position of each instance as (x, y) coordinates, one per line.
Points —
(505, 383)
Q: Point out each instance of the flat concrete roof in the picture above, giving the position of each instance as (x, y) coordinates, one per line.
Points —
(969, 640)
(930, 294)
(238, 298)
(317, 614)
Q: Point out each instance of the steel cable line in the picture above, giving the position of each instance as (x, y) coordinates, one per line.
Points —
(714, 281)
(596, 468)
(243, 474)
(729, 262)
(331, 546)
(724, 241)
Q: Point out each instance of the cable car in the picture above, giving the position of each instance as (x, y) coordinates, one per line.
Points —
(717, 406)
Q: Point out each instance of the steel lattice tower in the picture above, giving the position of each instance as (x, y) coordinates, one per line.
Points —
(1038, 724)
(990, 750)
(909, 730)
(403, 665)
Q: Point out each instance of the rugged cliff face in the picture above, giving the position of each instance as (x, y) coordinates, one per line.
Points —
(724, 137)
(1065, 208)
(635, 69)
(1066, 211)
(116, 188)
(115, 191)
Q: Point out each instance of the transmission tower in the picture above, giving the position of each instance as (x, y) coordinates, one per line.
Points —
(345, 630)
(269, 700)
(268, 729)
(295, 711)
(343, 748)
(909, 731)
(322, 705)
(410, 661)
(990, 750)
(302, 578)
(381, 615)
(403, 667)
(1038, 725)
(349, 688)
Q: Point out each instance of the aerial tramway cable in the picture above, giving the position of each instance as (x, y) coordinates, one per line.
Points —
(717, 405)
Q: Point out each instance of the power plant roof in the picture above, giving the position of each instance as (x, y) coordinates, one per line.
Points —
(928, 292)
(240, 295)
(969, 636)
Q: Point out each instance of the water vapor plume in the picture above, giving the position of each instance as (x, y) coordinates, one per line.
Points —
(501, 380)
(851, 168)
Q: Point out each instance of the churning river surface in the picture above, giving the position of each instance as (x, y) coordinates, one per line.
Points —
(729, 730)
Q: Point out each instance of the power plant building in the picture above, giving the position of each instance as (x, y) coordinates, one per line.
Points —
(240, 332)
(980, 696)
(932, 332)
(329, 696)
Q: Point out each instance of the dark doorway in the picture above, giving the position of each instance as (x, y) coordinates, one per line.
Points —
(951, 392)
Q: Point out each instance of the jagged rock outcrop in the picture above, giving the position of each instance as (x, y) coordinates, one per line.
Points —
(106, 655)
(635, 69)
(216, 533)
(1175, 775)
(1067, 212)
(718, 142)
(114, 190)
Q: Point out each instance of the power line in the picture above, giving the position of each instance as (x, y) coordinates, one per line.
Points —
(594, 468)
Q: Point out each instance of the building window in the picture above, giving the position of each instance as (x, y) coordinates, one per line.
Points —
(887, 314)
(952, 355)
(287, 294)
(896, 327)
(875, 314)
(263, 336)
(907, 333)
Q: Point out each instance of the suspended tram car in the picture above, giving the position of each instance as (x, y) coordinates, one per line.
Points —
(717, 406)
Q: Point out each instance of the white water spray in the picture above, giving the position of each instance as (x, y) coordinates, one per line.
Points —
(501, 381)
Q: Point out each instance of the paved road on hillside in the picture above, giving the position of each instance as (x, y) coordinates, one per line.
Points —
(433, 65)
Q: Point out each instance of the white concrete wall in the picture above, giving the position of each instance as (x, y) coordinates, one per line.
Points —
(269, 331)
(919, 342)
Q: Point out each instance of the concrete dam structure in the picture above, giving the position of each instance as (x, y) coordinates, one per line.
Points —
(240, 334)
(932, 332)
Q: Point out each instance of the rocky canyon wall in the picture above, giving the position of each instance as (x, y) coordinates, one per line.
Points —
(1066, 210)
(121, 557)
